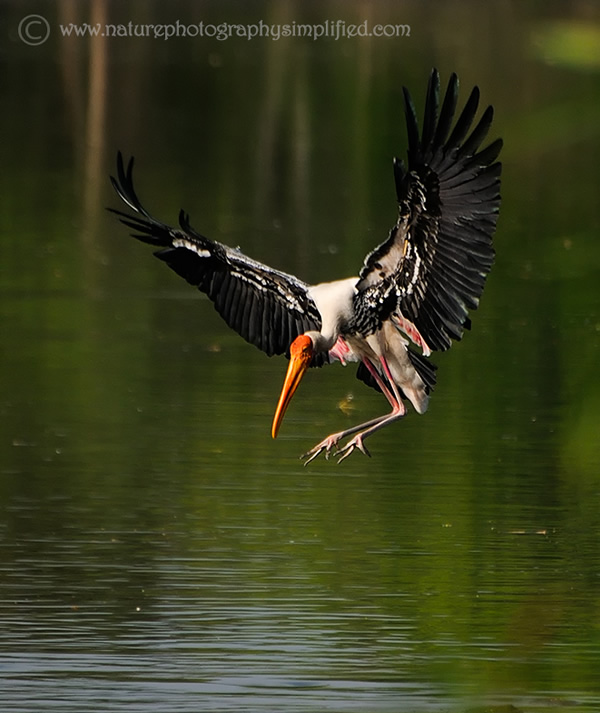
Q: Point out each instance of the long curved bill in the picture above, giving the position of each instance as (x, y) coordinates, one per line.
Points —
(296, 369)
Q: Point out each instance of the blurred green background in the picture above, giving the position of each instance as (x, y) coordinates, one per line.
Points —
(158, 550)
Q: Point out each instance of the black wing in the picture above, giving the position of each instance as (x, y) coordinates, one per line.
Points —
(266, 307)
(433, 266)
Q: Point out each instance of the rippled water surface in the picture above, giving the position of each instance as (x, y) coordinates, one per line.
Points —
(158, 550)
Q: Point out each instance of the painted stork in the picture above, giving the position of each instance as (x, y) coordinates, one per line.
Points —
(416, 287)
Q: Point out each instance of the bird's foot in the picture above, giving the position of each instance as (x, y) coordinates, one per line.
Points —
(356, 442)
(327, 445)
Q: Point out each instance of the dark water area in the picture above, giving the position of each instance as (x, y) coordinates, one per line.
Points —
(158, 550)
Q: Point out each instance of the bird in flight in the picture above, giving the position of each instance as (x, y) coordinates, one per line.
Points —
(412, 295)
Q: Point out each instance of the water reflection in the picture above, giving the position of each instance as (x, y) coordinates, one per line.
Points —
(172, 575)
(157, 550)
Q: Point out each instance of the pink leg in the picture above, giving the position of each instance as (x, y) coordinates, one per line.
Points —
(398, 411)
(367, 428)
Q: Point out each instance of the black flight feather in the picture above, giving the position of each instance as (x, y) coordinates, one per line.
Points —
(267, 307)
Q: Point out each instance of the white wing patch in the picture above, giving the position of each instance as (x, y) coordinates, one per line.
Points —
(416, 270)
(191, 245)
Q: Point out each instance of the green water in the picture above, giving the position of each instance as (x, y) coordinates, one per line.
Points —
(158, 551)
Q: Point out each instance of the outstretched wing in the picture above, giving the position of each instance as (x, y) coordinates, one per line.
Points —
(432, 268)
(268, 308)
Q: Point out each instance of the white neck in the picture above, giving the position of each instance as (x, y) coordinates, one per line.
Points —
(321, 342)
(334, 302)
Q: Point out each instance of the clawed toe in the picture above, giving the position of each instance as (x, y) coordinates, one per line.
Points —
(348, 449)
(328, 445)
(313, 453)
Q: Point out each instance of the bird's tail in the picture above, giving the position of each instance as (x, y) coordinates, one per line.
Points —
(424, 368)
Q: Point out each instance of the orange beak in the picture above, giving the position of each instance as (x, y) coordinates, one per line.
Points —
(301, 352)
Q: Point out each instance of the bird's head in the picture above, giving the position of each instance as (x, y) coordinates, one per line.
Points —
(301, 354)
